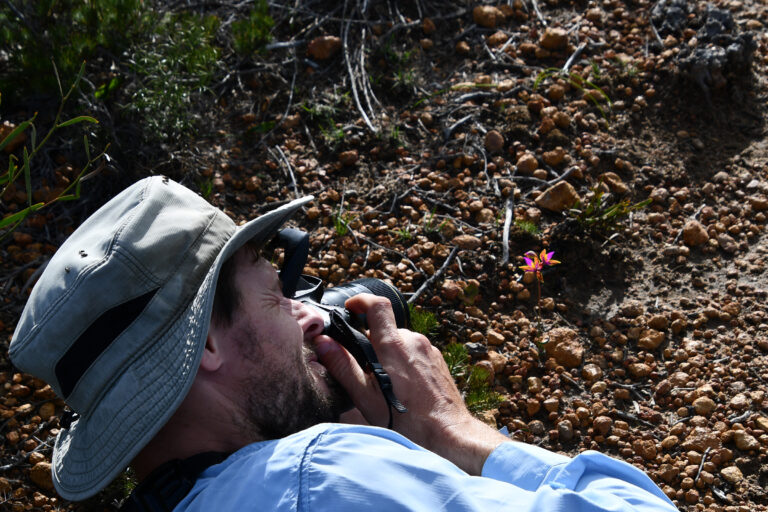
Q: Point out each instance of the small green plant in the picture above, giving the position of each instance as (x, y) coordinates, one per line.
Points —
(456, 357)
(341, 221)
(600, 214)
(527, 226)
(478, 394)
(430, 223)
(72, 192)
(206, 187)
(403, 233)
(589, 89)
(473, 383)
(251, 34)
(423, 321)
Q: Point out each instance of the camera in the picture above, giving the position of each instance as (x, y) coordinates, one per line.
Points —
(330, 302)
(339, 323)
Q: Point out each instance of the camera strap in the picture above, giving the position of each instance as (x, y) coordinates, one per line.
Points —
(361, 349)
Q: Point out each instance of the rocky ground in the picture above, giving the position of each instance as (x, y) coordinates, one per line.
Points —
(446, 141)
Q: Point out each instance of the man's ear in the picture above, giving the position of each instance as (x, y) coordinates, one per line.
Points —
(213, 355)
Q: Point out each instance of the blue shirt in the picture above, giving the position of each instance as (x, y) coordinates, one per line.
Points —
(343, 468)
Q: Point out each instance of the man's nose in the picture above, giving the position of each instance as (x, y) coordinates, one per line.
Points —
(310, 320)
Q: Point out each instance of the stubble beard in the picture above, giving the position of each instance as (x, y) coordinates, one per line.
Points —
(280, 402)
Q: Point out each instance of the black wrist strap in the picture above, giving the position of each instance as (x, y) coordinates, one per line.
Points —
(361, 349)
(167, 485)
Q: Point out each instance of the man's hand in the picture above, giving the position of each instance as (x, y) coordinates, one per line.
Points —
(437, 418)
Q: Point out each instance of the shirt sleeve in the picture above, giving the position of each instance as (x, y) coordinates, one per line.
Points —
(589, 481)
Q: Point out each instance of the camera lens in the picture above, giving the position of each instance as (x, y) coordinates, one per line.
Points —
(339, 294)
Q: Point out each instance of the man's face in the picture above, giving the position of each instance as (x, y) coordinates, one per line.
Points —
(283, 387)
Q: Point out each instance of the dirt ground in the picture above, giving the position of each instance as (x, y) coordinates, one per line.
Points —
(497, 129)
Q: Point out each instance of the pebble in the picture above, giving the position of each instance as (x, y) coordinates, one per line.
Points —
(745, 441)
(467, 242)
(602, 425)
(527, 163)
(694, 233)
(487, 16)
(559, 197)
(494, 141)
(40, 474)
(565, 430)
(563, 345)
(324, 47)
(554, 38)
(494, 337)
(732, 475)
(348, 158)
(727, 243)
(704, 405)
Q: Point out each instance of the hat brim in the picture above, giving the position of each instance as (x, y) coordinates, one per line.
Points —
(96, 448)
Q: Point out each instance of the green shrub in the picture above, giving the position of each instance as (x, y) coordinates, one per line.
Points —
(423, 321)
(173, 70)
(36, 32)
(251, 34)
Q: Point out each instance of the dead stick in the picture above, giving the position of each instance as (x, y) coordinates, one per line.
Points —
(538, 12)
(434, 277)
(290, 171)
(507, 223)
(353, 80)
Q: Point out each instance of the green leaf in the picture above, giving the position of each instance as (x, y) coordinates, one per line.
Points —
(27, 177)
(20, 215)
(23, 126)
(78, 119)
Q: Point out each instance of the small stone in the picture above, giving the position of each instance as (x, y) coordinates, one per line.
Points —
(602, 425)
(591, 372)
(639, 370)
(498, 361)
(563, 345)
(558, 197)
(701, 438)
(487, 16)
(452, 290)
(348, 158)
(497, 39)
(426, 44)
(614, 183)
(555, 92)
(645, 448)
(462, 47)
(532, 406)
(551, 404)
(40, 474)
(694, 233)
(494, 141)
(727, 243)
(732, 475)
(650, 339)
(527, 163)
(762, 423)
(744, 441)
(658, 322)
(554, 157)
(565, 430)
(759, 203)
(467, 242)
(324, 47)
(554, 38)
(754, 25)
(494, 337)
(704, 405)
(428, 26)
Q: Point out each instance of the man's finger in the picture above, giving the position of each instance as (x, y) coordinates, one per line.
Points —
(379, 315)
(342, 366)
